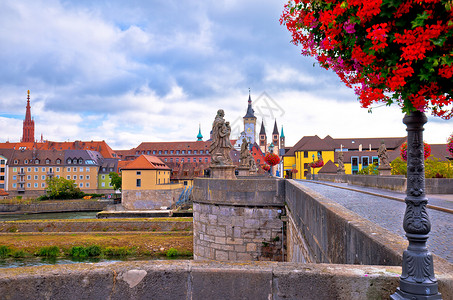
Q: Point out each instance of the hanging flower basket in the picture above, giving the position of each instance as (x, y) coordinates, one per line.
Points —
(403, 150)
(317, 164)
(294, 171)
(271, 159)
(266, 167)
(450, 145)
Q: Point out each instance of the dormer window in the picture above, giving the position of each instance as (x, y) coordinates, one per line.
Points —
(74, 161)
(16, 161)
(36, 161)
(47, 161)
(58, 161)
(26, 161)
(68, 161)
(80, 161)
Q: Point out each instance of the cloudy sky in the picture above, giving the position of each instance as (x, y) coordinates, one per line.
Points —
(133, 71)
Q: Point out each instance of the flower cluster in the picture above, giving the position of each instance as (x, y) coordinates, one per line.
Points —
(391, 52)
(450, 145)
(403, 150)
(294, 171)
(266, 167)
(271, 159)
(317, 164)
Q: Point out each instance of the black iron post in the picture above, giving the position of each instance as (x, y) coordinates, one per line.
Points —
(417, 280)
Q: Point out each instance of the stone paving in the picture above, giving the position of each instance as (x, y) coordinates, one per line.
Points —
(389, 214)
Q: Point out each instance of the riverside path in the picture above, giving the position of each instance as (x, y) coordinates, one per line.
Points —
(386, 209)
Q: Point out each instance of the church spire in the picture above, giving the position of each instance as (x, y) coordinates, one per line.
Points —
(28, 131)
(250, 112)
(199, 136)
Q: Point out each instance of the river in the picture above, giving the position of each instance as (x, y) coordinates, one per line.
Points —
(49, 216)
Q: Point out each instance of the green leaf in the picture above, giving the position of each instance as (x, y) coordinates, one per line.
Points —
(420, 19)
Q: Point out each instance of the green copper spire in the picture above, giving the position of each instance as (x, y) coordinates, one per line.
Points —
(282, 135)
(199, 136)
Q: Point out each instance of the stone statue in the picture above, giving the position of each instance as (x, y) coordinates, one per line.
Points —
(221, 145)
(252, 163)
(340, 161)
(245, 153)
(383, 156)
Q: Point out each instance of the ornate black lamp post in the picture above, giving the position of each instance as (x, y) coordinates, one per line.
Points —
(417, 280)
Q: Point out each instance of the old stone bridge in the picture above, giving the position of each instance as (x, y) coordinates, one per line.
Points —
(263, 238)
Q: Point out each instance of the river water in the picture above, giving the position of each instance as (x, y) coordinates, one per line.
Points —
(49, 216)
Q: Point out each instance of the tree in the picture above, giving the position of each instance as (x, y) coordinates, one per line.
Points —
(60, 188)
(390, 51)
(116, 180)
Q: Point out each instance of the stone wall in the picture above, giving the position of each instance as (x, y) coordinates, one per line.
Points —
(238, 219)
(395, 183)
(149, 199)
(56, 206)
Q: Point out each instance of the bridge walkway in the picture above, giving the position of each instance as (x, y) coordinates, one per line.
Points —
(386, 209)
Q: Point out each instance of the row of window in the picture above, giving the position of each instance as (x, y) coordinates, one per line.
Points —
(37, 161)
(43, 177)
(43, 185)
(193, 159)
(57, 169)
(182, 152)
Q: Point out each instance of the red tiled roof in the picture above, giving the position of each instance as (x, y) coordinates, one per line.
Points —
(328, 168)
(146, 162)
(3, 193)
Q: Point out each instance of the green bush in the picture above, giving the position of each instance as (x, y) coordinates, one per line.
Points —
(116, 251)
(399, 167)
(93, 250)
(369, 170)
(78, 252)
(172, 252)
(51, 251)
(20, 254)
(4, 251)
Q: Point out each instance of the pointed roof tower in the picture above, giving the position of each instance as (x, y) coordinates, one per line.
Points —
(282, 135)
(262, 130)
(199, 136)
(275, 128)
(28, 131)
(250, 112)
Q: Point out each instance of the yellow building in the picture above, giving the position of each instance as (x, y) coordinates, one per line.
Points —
(146, 184)
(358, 154)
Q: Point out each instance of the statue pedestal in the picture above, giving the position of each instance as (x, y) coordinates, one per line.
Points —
(223, 172)
(385, 170)
(243, 171)
(341, 172)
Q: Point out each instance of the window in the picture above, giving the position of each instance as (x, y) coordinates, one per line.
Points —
(194, 151)
(28, 169)
(147, 152)
(139, 172)
(139, 182)
(14, 169)
(36, 177)
(183, 152)
(74, 169)
(103, 184)
(165, 152)
(2, 161)
(57, 169)
(58, 161)
(365, 161)
(103, 169)
(43, 177)
(188, 159)
(110, 184)
(68, 177)
(28, 184)
(189, 152)
(28, 177)
(88, 177)
(177, 151)
(2, 177)
(14, 177)
(165, 160)
(81, 177)
(110, 169)
(87, 184)
(171, 159)
(154, 151)
(81, 184)
(44, 169)
(74, 177)
(14, 185)
(182, 159)
(36, 161)
(36, 184)
(36, 169)
(177, 159)
(58, 176)
(43, 184)
(68, 161)
(80, 161)
(171, 151)
(47, 161)
(74, 161)
(160, 152)
(200, 159)
(103, 176)
(305, 154)
(26, 161)
(206, 159)
(81, 169)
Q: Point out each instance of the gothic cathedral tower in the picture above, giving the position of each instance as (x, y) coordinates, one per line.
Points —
(263, 138)
(250, 123)
(28, 133)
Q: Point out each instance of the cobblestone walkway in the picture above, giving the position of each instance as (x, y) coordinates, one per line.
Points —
(389, 214)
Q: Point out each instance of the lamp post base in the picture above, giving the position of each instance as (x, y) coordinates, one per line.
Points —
(400, 295)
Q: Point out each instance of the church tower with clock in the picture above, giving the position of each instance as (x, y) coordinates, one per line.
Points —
(250, 122)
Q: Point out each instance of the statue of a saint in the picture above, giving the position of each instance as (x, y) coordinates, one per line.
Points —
(221, 145)
(245, 154)
(383, 156)
(340, 161)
